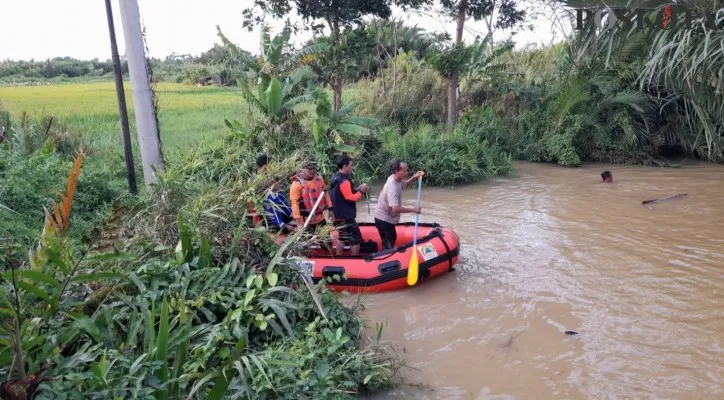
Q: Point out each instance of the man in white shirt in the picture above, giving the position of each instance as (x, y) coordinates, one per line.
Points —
(389, 202)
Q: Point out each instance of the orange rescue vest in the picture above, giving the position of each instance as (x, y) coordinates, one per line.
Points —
(310, 193)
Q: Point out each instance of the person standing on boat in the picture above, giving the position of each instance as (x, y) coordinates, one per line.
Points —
(344, 203)
(389, 202)
(303, 194)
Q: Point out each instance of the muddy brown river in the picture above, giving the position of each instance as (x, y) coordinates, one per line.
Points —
(550, 249)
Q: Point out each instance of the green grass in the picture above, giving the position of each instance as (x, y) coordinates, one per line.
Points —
(187, 114)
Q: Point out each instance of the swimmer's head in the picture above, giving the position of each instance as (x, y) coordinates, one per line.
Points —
(607, 177)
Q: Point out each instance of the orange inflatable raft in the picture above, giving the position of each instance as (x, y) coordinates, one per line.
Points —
(376, 270)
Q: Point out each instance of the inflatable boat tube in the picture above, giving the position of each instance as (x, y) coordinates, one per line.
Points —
(377, 270)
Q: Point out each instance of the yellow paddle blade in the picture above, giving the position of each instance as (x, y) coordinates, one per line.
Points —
(413, 268)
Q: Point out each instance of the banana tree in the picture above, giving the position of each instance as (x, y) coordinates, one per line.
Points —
(276, 99)
(334, 132)
(483, 62)
(283, 81)
(276, 123)
(272, 60)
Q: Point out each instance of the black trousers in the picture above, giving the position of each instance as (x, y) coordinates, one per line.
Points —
(349, 231)
(388, 233)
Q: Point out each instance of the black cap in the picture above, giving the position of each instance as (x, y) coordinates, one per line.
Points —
(262, 160)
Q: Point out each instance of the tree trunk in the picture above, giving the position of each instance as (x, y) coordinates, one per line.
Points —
(337, 87)
(452, 89)
(452, 105)
(461, 21)
(337, 79)
(489, 24)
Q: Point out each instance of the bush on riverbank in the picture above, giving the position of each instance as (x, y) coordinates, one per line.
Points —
(447, 158)
(616, 103)
(589, 114)
(177, 295)
(406, 94)
(147, 319)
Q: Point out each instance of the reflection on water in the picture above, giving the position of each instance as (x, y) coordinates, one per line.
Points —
(551, 249)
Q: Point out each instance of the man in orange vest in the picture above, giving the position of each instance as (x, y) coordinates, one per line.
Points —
(303, 194)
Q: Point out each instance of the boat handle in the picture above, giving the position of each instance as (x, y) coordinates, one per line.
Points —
(389, 267)
(331, 271)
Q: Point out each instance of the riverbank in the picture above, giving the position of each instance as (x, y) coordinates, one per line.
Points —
(550, 249)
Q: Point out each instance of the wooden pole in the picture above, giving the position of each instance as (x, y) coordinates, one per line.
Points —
(130, 170)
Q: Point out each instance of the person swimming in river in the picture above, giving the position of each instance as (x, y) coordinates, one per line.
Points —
(607, 177)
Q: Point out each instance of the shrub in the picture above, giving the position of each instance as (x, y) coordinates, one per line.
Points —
(29, 182)
(407, 94)
(152, 322)
(448, 159)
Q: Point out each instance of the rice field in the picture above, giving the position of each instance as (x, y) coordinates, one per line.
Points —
(187, 114)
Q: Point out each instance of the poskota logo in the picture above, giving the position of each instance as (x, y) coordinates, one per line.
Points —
(668, 17)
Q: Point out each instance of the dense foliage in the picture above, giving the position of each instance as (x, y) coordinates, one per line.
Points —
(174, 294)
(35, 156)
(618, 98)
(216, 62)
(58, 68)
(212, 317)
(406, 93)
(459, 158)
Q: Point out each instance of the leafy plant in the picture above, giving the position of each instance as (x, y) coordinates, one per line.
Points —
(334, 132)
(449, 158)
(282, 79)
(162, 323)
(408, 93)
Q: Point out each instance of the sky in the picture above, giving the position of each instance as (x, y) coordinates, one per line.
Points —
(41, 29)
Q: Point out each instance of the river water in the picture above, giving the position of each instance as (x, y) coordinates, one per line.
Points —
(550, 249)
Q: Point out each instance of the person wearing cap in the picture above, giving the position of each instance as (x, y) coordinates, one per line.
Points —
(344, 198)
(306, 188)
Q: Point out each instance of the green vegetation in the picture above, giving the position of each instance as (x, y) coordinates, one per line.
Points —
(174, 293)
(147, 320)
(215, 63)
(187, 115)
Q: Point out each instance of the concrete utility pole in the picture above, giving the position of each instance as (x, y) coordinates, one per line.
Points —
(130, 169)
(148, 137)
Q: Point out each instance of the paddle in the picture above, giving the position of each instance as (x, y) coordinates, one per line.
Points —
(311, 213)
(413, 268)
(367, 197)
(307, 279)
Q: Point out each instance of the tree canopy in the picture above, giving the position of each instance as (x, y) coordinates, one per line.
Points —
(336, 14)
